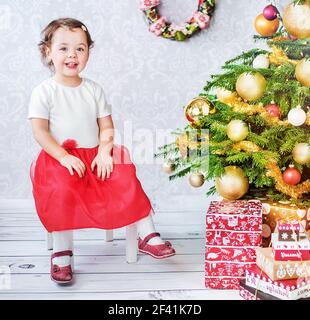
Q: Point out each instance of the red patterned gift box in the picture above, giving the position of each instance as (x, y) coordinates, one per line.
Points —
(249, 293)
(233, 232)
(293, 289)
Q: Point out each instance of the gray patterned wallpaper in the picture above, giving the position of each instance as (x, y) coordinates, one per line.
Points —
(147, 79)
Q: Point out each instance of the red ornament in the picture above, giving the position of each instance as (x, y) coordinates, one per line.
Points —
(273, 109)
(270, 12)
(291, 175)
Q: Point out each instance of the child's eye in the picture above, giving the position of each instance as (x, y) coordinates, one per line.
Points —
(80, 49)
(63, 49)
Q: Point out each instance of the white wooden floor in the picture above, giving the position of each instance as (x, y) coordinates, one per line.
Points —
(101, 271)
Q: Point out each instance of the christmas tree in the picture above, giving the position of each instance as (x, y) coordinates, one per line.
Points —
(249, 128)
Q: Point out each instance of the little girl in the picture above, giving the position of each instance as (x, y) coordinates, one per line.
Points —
(80, 178)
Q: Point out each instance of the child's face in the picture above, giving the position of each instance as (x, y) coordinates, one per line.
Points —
(68, 51)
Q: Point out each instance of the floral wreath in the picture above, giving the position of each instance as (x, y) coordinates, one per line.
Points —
(161, 27)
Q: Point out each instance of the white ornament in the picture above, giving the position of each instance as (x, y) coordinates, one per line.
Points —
(261, 61)
(297, 116)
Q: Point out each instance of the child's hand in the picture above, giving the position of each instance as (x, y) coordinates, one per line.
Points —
(104, 163)
(71, 162)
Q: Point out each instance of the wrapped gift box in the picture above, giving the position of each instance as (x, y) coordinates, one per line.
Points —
(290, 251)
(249, 293)
(283, 289)
(274, 211)
(233, 232)
(246, 293)
(281, 270)
(288, 231)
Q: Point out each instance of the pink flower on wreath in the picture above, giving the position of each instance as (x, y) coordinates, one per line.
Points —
(148, 4)
(157, 26)
(202, 19)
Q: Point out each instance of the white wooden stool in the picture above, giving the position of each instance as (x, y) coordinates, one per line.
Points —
(131, 242)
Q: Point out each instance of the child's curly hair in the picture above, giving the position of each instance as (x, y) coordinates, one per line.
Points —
(48, 32)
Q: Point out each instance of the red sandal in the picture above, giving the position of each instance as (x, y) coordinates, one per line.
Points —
(159, 251)
(61, 275)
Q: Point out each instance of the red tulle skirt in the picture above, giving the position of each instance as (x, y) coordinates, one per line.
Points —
(65, 202)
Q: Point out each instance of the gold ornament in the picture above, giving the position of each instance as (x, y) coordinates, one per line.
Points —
(168, 166)
(237, 130)
(264, 27)
(301, 153)
(198, 108)
(196, 180)
(296, 19)
(302, 72)
(233, 184)
(224, 95)
(251, 86)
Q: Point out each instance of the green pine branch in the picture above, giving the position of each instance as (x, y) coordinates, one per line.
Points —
(211, 191)
(246, 58)
(295, 49)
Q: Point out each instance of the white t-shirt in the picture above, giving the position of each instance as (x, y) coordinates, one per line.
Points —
(72, 111)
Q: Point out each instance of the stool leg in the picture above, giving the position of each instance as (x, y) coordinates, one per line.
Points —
(108, 235)
(72, 263)
(131, 243)
(49, 241)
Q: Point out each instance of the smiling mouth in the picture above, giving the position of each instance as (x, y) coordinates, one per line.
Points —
(71, 65)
